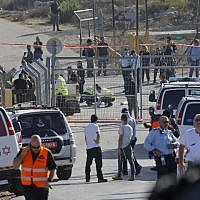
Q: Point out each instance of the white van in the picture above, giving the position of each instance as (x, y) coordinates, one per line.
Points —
(188, 107)
(172, 93)
(9, 178)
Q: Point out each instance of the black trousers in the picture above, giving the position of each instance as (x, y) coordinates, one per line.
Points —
(96, 154)
(170, 166)
(33, 193)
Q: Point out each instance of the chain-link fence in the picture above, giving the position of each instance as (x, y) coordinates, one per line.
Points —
(120, 87)
(106, 88)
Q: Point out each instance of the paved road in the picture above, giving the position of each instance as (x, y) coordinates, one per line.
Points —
(75, 188)
(14, 33)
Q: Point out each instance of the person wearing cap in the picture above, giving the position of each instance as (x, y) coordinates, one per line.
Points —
(194, 57)
(103, 54)
(162, 143)
(132, 123)
(89, 53)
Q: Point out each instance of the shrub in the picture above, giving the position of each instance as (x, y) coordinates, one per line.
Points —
(67, 7)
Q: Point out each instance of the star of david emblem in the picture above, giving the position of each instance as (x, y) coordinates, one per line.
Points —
(6, 150)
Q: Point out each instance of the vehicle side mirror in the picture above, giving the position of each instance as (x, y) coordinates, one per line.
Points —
(152, 96)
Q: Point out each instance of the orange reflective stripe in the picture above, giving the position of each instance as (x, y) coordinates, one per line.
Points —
(40, 170)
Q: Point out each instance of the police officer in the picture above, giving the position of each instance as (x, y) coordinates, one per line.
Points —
(61, 90)
(162, 143)
(37, 169)
(126, 67)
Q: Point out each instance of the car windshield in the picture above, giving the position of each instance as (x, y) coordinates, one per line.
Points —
(34, 123)
(191, 111)
(172, 97)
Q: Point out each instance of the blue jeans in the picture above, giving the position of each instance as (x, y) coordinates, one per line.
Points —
(194, 63)
(126, 153)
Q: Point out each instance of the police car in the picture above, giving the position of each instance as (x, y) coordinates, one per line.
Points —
(171, 93)
(55, 132)
(188, 107)
(9, 178)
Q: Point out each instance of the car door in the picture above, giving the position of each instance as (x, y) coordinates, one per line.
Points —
(8, 142)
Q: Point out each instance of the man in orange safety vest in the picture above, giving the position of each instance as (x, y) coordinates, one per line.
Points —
(37, 169)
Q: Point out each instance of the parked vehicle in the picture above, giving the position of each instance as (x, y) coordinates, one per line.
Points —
(55, 132)
(188, 107)
(9, 178)
(171, 93)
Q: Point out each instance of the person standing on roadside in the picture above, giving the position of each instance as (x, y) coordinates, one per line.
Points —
(89, 53)
(92, 140)
(124, 148)
(28, 56)
(102, 52)
(81, 78)
(55, 14)
(162, 143)
(190, 141)
(37, 45)
(157, 62)
(194, 57)
(132, 123)
(145, 62)
(37, 169)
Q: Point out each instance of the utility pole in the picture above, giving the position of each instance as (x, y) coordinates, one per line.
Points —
(94, 20)
(114, 29)
(197, 19)
(137, 24)
(146, 22)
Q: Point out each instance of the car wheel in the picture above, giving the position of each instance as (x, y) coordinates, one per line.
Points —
(63, 173)
(16, 187)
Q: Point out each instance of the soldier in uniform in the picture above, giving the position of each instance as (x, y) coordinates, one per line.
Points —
(162, 143)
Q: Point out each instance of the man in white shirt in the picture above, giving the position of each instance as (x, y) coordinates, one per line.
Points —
(124, 148)
(92, 139)
(190, 140)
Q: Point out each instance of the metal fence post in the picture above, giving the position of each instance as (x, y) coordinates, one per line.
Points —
(95, 94)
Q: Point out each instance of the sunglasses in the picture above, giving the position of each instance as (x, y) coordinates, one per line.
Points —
(33, 147)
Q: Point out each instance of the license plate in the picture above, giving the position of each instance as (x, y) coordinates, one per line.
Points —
(50, 144)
